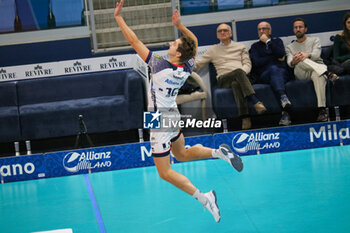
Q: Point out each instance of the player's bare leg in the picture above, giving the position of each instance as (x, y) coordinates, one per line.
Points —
(168, 174)
(193, 153)
(165, 171)
(200, 152)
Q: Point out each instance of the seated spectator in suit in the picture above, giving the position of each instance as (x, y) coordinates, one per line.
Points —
(232, 63)
(341, 49)
(269, 67)
(304, 55)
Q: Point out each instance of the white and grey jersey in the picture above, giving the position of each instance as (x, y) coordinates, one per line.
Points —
(166, 80)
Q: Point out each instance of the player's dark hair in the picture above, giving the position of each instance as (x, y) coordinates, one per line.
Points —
(187, 48)
(302, 20)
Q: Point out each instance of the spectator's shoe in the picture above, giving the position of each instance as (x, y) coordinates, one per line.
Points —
(227, 154)
(246, 123)
(322, 116)
(285, 102)
(332, 77)
(212, 205)
(259, 108)
(285, 119)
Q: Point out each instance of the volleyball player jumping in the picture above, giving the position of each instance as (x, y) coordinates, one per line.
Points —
(167, 77)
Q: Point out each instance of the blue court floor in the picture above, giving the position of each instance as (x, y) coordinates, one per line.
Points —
(297, 191)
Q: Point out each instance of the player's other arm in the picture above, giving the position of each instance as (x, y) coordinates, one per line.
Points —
(183, 29)
(138, 46)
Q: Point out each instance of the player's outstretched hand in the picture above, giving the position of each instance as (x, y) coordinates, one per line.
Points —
(118, 8)
(176, 18)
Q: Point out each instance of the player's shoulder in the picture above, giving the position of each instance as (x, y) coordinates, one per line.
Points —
(158, 63)
(152, 56)
(191, 62)
(157, 56)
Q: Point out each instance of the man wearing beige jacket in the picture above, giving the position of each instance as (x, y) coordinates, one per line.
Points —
(304, 55)
(232, 64)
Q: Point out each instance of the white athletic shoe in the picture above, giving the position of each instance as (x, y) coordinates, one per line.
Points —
(212, 205)
(227, 154)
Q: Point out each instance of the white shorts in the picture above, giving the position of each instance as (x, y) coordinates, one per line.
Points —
(162, 138)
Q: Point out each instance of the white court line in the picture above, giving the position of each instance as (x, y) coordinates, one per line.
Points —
(57, 231)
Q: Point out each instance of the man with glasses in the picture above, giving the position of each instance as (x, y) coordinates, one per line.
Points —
(304, 55)
(269, 67)
(232, 64)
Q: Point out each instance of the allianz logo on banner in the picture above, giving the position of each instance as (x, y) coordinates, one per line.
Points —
(17, 169)
(74, 161)
(328, 133)
(245, 142)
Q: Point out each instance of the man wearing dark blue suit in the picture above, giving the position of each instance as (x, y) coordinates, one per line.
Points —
(269, 66)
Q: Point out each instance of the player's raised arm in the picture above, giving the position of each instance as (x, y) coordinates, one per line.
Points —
(138, 46)
(185, 31)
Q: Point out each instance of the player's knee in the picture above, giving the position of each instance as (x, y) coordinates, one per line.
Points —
(165, 175)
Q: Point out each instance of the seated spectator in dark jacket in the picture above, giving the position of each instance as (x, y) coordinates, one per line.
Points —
(341, 49)
(269, 67)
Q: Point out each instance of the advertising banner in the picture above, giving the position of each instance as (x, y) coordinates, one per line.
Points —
(107, 158)
(79, 66)
(134, 155)
(206, 140)
(27, 167)
(286, 138)
(98, 159)
(84, 161)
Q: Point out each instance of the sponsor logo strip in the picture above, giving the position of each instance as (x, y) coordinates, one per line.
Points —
(88, 65)
(139, 154)
(287, 138)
